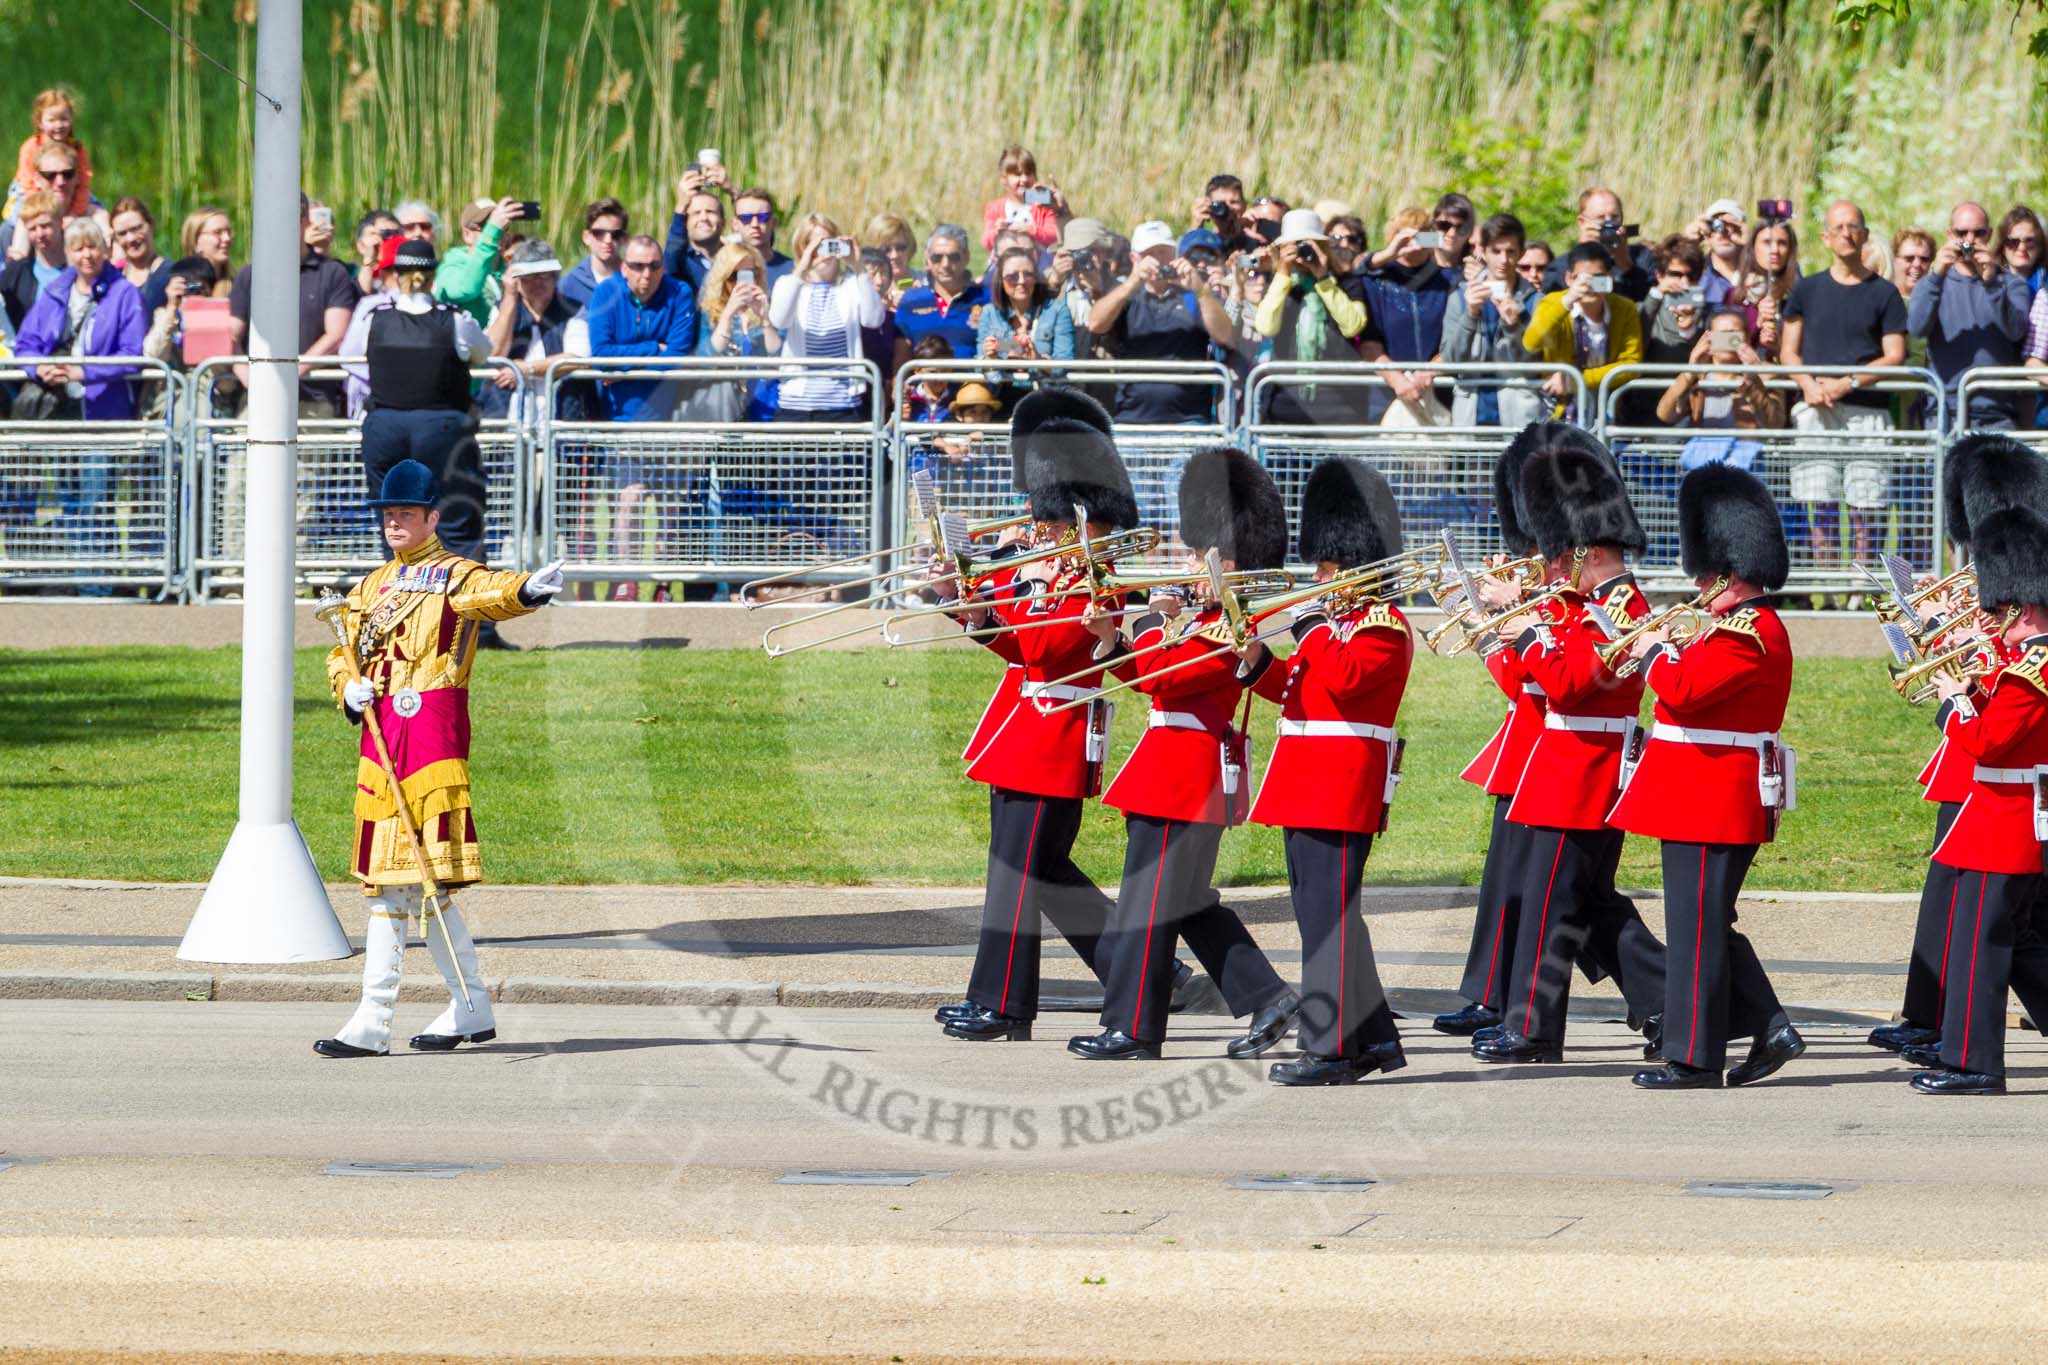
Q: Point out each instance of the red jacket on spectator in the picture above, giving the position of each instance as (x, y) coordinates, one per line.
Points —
(995, 216)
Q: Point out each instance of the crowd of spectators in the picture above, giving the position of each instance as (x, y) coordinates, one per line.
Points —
(1238, 281)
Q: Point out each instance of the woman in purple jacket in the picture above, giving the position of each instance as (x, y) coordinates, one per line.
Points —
(88, 310)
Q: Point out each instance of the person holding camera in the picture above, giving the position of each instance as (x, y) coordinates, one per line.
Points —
(1407, 293)
(1770, 267)
(819, 309)
(1027, 203)
(1484, 326)
(1718, 400)
(1720, 232)
(469, 277)
(1164, 310)
(1220, 208)
(1589, 324)
(698, 223)
(1309, 318)
(1600, 222)
(1973, 311)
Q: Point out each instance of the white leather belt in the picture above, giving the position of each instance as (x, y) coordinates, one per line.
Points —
(1533, 690)
(1318, 729)
(1595, 725)
(1984, 774)
(1174, 720)
(1055, 693)
(1687, 734)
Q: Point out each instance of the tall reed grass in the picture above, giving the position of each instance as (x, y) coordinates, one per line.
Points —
(849, 106)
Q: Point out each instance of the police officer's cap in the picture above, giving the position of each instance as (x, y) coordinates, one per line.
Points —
(415, 254)
(408, 484)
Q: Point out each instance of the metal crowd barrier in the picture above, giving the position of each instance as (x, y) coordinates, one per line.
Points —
(970, 465)
(91, 506)
(1845, 493)
(338, 537)
(723, 487)
(1299, 413)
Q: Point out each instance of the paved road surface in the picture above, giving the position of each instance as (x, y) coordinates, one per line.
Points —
(629, 1201)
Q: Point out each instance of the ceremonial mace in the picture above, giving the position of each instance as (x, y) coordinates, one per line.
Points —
(332, 609)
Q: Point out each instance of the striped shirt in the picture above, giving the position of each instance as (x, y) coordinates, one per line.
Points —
(823, 320)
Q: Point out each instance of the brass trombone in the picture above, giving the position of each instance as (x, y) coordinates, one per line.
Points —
(1121, 545)
(975, 529)
(1107, 585)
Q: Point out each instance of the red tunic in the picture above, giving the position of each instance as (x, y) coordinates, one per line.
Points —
(1736, 680)
(1947, 774)
(1346, 672)
(1030, 751)
(1004, 647)
(1574, 774)
(1497, 767)
(2007, 738)
(1176, 772)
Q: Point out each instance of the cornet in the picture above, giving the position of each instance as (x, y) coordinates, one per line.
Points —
(1475, 631)
(1915, 682)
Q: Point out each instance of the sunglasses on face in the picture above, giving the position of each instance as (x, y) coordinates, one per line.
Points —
(1346, 239)
(2021, 243)
(945, 257)
(1450, 225)
(59, 175)
(638, 266)
(1915, 260)
(606, 234)
(417, 229)
(1980, 233)
(756, 219)
(1021, 277)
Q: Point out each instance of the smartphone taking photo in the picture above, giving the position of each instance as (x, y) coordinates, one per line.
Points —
(835, 248)
(1432, 240)
(1599, 284)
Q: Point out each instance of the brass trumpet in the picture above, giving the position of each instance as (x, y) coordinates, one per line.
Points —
(1915, 682)
(1456, 616)
(1687, 621)
(1475, 631)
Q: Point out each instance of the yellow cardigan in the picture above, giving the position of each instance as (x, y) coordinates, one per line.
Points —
(1550, 338)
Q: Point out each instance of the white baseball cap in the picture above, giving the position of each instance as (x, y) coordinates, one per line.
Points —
(1725, 208)
(1148, 235)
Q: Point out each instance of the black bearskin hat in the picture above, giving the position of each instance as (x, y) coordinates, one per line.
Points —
(1228, 502)
(1348, 516)
(1054, 404)
(2010, 554)
(1986, 473)
(1573, 495)
(1507, 473)
(1067, 462)
(1727, 523)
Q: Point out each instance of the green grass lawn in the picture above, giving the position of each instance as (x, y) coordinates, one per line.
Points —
(613, 765)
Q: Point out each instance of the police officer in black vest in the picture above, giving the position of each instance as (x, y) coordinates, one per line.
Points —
(420, 351)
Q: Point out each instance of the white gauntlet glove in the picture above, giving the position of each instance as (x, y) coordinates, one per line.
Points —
(543, 584)
(358, 693)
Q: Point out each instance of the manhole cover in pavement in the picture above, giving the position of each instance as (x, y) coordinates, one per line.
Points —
(1758, 1189)
(1313, 1184)
(419, 1170)
(833, 1177)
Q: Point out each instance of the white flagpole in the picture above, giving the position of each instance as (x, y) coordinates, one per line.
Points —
(266, 902)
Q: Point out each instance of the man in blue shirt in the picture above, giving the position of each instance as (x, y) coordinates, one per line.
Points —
(1973, 311)
(604, 236)
(642, 311)
(950, 306)
(755, 210)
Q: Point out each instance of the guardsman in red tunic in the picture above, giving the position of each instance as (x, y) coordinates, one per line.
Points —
(1713, 780)
(1575, 506)
(1995, 842)
(1040, 768)
(1185, 783)
(1983, 473)
(1499, 766)
(1330, 781)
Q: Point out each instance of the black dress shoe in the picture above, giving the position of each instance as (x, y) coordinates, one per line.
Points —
(986, 1026)
(1926, 1056)
(1467, 1021)
(1490, 1032)
(1268, 1027)
(334, 1047)
(1678, 1076)
(1767, 1054)
(447, 1042)
(1312, 1069)
(1111, 1046)
(1513, 1047)
(1895, 1037)
(1183, 976)
(1653, 1037)
(1958, 1083)
(946, 1014)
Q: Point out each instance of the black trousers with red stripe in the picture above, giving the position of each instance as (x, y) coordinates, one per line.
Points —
(1570, 909)
(1992, 909)
(1491, 957)
(1343, 1006)
(1031, 872)
(1927, 970)
(1166, 894)
(1714, 985)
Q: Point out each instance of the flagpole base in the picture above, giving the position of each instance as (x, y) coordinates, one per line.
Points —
(265, 903)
